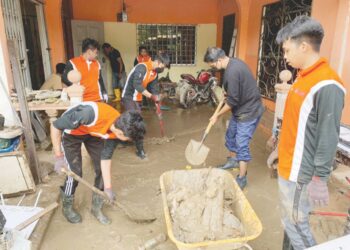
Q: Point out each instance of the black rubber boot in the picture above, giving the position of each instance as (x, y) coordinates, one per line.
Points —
(140, 152)
(96, 209)
(67, 208)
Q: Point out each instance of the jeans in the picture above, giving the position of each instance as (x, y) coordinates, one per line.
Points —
(116, 82)
(238, 136)
(295, 209)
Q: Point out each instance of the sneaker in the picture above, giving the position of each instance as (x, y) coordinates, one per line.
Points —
(241, 181)
(231, 163)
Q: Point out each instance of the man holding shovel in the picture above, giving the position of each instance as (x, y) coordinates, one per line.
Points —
(244, 101)
(141, 82)
(89, 123)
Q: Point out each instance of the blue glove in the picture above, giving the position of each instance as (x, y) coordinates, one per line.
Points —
(111, 195)
(318, 192)
(59, 164)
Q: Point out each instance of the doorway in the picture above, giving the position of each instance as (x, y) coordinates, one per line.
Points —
(229, 35)
(31, 31)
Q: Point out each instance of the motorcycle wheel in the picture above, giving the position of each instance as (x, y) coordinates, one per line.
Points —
(189, 102)
(214, 101)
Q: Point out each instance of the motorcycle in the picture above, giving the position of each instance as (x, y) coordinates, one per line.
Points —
(199, 90)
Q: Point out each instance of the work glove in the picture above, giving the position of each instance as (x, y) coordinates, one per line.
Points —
(318, 192)
(60, 163)
(105, 98)
(111, 195)
(155, 98)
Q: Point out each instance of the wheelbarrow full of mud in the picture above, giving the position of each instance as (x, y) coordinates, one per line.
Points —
(177, 186)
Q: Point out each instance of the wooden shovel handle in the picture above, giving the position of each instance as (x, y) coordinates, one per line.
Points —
(87, 184)
(36, 216)
(218, 108)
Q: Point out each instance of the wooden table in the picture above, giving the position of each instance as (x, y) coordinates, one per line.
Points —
(51, 109)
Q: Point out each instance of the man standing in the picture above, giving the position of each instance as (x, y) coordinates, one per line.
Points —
(244, 101)
(90, 123)
(142, 56)
(90, 70)
(142, 82)
(310, 130)
(118, 69)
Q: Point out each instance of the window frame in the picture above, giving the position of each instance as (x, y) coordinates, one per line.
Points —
(176, 59)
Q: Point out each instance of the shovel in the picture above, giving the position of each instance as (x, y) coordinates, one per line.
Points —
(196, 152)
(130, 213)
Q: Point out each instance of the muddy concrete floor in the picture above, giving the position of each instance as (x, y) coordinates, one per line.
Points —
(137, 181)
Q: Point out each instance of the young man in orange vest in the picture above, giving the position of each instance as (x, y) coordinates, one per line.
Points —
(310, 130)
(142, 56)
(91, 123)
(90, 70)
(142, 82)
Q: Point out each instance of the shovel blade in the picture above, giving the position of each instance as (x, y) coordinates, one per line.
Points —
(196, 153)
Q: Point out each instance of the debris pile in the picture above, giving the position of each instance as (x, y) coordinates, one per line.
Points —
(201, 207)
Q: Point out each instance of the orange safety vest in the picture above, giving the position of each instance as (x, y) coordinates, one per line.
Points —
(90, 74)
(148, 78)
(295, 115)
(142, 59)
(105, 116)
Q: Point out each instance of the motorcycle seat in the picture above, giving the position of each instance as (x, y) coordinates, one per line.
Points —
(189, 78)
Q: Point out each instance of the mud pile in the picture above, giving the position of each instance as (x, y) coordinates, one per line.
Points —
(200, 205)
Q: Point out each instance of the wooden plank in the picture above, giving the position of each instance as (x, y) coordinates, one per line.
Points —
(24, 110)
(37, 107)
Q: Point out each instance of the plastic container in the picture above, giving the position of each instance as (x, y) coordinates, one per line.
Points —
(243, 210)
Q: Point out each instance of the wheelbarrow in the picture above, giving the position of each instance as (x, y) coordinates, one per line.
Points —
(243, 210)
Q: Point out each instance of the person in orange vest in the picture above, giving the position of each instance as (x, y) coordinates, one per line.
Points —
(142, 56)
(141, 81)
(90, 70)
(310, 130)
(92, 124)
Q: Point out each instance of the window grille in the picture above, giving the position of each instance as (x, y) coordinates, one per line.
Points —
(178, 41)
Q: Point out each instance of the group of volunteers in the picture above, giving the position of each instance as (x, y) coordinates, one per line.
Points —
(308, 138)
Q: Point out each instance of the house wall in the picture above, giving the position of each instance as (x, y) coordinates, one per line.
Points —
(115, 35)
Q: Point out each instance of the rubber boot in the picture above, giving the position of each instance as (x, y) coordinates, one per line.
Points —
(67, 208)
(117, 95)
(231, 163)
(140, 152)
(96, 209)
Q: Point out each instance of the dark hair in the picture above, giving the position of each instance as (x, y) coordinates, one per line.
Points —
(132, 125)
(302, 28)
(89, 43)
(106, 46)
(60, 68)
(141, 48)
(163, 58)
(213, 54)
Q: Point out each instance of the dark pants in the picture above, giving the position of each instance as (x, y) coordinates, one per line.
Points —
(108, 149)
(72, 150)
(130, 104)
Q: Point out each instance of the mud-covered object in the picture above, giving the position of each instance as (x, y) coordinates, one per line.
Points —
(2, 122)
(2, 222)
